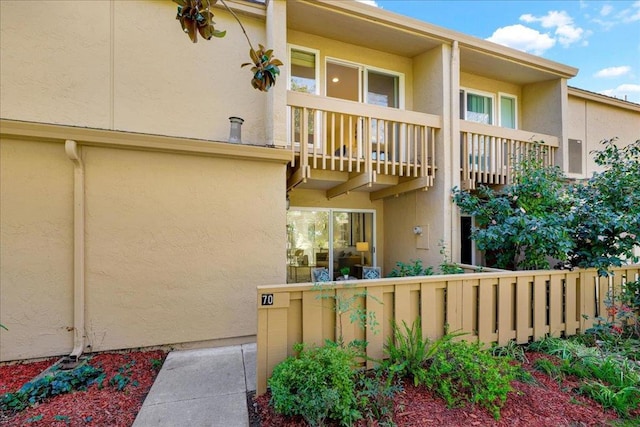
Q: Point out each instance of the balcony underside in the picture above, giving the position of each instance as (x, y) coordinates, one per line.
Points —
(335, 182)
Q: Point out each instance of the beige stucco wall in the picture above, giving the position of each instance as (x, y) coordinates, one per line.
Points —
(173, 249)
(126, 65)
(36, 252)
(592, 122)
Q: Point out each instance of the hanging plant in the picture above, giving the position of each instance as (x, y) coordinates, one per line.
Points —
(196, 17)
(265, 68)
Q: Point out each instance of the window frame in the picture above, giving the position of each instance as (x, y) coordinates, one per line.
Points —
(315, 52)
(476, 92)
(363, 79)
(515, 108)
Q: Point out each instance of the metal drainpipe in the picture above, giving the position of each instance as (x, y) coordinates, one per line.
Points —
(73, 152)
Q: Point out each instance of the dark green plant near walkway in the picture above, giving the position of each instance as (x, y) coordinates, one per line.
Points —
(522, 225)
(605, 218)
(318, 384)
(196, 17)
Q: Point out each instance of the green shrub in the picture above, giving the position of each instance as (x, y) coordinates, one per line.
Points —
(408, 351)
(318, 384)
(610, 379)
(462, 372)
(375, 391)
(412, 268)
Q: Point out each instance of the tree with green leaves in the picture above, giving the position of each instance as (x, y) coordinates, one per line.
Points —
(594, 223)
(605, 217)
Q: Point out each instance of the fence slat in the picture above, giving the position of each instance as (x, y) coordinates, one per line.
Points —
(555, 306)
(523, 304)
(505, 310)
(487, 309)
(375, 337)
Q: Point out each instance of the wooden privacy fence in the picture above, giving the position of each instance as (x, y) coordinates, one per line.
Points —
(492, 307)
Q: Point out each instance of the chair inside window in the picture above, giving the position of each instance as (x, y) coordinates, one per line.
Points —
(370, 273)
(320, 274)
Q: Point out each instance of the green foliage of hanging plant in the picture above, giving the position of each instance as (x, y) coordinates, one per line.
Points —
(265, 68)
(196, 17)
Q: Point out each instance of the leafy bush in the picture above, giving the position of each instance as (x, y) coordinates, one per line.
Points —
(413, 268)
(605, 216)
(375, 391)
(610, 379)
(595, 223)
(524, 224)
(59, 382)
(408, 351)
(318, 384)
(463, 372)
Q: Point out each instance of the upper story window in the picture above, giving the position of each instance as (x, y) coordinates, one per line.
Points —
(361, 83)
(383, 89)
(480, 107)
(508, 109)
(476, 107)
(304, 70)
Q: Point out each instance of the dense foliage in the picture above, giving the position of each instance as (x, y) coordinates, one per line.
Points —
(539, 216)
(318, 384)
(606, 212)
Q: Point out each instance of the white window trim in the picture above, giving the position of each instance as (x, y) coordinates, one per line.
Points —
(515, 98)
(316, 52)
(363, 80)
(480, 93)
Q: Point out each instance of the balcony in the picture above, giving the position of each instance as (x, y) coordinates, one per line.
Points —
(342, 146)
(488, 152)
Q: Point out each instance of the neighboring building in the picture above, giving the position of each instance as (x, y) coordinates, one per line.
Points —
(126, 218)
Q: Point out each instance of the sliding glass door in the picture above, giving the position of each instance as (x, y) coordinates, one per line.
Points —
(329, 238)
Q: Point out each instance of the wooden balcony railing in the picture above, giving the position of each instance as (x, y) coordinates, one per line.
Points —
(368, 140)
(488, 152)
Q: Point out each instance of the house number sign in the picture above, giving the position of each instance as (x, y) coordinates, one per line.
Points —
(267, 299)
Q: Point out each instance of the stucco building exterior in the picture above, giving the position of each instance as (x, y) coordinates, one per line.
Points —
(128, 219)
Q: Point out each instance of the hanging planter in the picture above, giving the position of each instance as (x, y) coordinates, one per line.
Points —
(265, 68)
(195, 17)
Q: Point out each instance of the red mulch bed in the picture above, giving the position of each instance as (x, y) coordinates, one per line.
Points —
(547, 403)
(93, 407)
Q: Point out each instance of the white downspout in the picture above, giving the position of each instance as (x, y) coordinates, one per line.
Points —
(73, 152)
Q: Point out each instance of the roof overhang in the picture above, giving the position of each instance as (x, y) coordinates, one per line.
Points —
(367, 26)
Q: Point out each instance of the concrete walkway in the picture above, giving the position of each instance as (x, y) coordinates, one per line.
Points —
(204, 387)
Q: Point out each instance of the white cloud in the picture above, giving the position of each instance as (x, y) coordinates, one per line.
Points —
(628, 90)
(369, 2)
(566, 32)
(522, 38)
(613, 71)
(631, 14)
(606, 9)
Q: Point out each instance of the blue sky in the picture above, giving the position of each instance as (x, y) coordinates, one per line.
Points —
(600, 38)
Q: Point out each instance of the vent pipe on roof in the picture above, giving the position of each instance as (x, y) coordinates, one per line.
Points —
(73, 152)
